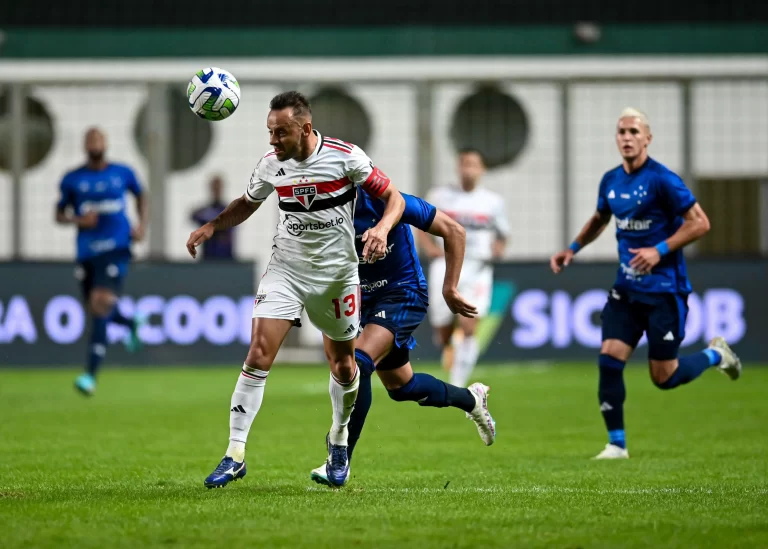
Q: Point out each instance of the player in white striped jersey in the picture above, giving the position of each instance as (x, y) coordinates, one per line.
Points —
(481, 212)
(313, 266)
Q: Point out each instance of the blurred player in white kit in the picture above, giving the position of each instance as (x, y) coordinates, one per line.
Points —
(481, 212)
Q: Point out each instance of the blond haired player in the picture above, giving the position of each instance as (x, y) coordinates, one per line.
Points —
(656, 217)
(481, 212)
(313, 265)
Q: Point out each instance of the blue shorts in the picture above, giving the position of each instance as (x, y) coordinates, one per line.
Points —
(400, 311)
(627, 315)
(103, 271)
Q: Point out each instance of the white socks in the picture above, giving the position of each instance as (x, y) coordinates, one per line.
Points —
(464, 361)
(245, 404)
(343, 398)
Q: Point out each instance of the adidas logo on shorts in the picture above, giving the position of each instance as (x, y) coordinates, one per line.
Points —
(350, 329)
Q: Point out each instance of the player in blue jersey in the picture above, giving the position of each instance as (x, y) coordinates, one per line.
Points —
(656, 216)
(394, 302)
(93, 199)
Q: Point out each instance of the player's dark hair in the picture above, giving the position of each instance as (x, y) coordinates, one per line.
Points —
(472, 150)
(291, 99)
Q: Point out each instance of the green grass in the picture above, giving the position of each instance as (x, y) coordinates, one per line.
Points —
(126, 468)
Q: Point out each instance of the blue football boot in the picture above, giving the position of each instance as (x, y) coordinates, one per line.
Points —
(320, 474)
(132, 341)
(227, 471)
(86, 384)
(337, 466)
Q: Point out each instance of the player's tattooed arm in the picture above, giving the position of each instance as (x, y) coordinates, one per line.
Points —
(591, 230)
(455, 238)
(238, 211)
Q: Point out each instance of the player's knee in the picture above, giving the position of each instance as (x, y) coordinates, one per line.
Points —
(611, 385)
(661, 372)
(259, 356)
(400, 394)
(364, 362)
(468, 327)
(99, 304)
(443, 336)
(343, 368)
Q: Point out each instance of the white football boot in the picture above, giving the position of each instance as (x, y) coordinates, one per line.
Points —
(611, 451)
(486, 427)
(730, 364)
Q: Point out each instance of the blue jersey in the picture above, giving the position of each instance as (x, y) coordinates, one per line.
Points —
(648, 205)
(400, 266)
(103, 192)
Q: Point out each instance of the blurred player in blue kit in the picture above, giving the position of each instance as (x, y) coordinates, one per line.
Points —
(394, 303)
(93, 199)
(656, 216)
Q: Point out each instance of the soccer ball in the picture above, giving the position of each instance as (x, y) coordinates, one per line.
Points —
(213, 94)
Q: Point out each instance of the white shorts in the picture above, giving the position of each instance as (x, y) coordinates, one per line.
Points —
(475, 285)
(333, 308)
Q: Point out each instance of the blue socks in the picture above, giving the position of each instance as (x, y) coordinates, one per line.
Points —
(117, 317)
(611, 394)
(363, 402)
(422, 388)
(690, 367)
(97, 345)
(430, 391)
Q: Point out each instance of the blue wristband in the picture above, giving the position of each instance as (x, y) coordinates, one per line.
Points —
(575, 247)
(663, 248)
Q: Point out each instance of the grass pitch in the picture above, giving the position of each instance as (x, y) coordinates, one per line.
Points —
(126, 467)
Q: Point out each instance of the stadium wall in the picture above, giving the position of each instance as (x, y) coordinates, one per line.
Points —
(727, 133)
(201, 314)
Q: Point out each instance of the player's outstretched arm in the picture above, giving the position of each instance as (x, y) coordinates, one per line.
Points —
(238, 211)
(591, 230)
(375, 238)
(455, 238)
(695, 225)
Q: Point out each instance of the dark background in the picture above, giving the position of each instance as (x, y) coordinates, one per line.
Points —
(250, 13)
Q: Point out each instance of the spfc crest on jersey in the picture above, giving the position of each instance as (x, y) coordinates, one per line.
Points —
(305, 194)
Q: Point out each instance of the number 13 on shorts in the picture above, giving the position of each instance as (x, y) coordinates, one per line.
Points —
(341, 313)
(350, 304)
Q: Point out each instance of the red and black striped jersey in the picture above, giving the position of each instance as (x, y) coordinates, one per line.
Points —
(315, 238)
